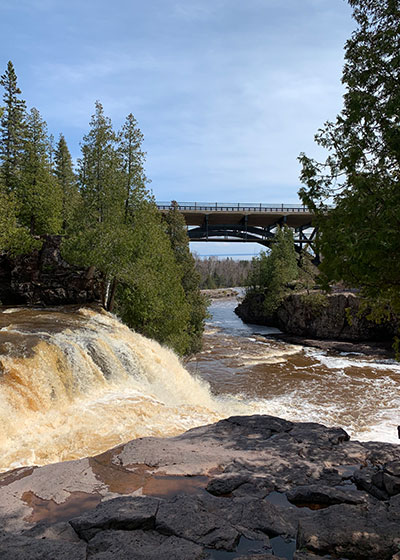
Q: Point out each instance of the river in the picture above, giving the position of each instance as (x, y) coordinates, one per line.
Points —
(242, 361)
(76, 382)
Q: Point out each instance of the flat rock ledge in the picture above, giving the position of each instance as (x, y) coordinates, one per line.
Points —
(245, 488)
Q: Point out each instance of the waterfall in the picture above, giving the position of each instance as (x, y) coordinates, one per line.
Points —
(75, 383)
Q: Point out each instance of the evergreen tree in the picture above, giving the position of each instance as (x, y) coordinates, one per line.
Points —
(177, 232)
(117, 229)
(273, 274)
(99, 177)
(308, 272)
(130, 140)
(63, 170)
(359, 236)
(14, 238)
(37, 191)
(98, 235)
(12, 129)
(152, 300)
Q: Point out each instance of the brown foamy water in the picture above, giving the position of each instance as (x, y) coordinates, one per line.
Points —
(303, 384)
(76, 382)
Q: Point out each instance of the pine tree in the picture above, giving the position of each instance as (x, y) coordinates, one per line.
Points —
(152, 300)
(130, 140)
(63, 170)
(273, 274)
(12, 129)
(118, 230)
(37, 190)
(308, 272)
(97, 233)
(177, 233)
(99, 169)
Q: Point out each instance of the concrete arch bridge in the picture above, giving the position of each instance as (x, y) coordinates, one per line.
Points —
(243, 222)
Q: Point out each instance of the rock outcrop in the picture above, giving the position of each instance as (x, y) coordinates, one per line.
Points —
(335, 316)
(248, 488)
(44, 278)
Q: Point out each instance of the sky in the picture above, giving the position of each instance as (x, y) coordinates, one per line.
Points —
(226, 92)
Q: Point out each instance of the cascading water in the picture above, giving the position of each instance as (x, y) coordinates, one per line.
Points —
(74, 384)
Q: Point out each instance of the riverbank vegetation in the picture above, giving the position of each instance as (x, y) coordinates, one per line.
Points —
(106, 214)
(281, 271)
(355, 192)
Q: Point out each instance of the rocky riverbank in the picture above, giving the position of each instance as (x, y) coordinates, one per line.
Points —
(44, 278)
(249, 488)
(330, 321)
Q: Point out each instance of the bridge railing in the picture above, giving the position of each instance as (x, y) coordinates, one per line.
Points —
(233, 207)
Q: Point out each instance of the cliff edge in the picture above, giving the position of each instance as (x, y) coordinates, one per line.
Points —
(44, 278)
(336, 316)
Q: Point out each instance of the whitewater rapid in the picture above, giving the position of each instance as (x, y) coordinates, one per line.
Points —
(90, 386)
(75, 382)
(356, 392)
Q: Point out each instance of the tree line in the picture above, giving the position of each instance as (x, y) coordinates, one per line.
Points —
(106, 214)
(222, 273)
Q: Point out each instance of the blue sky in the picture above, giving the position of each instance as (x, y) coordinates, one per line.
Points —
(226, 92)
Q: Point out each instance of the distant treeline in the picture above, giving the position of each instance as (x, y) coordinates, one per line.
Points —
(106, 214)
(222, 273)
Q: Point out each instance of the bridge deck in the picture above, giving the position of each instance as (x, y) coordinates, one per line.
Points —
(259, 215)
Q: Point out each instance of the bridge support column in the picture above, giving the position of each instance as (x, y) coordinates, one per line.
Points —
(245, 222)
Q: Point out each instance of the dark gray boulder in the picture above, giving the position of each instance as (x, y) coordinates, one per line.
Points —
(325, 495)
(354, 532)
(189, 517)
(126, 513)
(142, 545)
(21, 547)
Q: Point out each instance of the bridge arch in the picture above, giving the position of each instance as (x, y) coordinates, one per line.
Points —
(245, 223)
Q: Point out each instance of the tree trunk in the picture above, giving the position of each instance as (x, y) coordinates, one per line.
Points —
(111, 294)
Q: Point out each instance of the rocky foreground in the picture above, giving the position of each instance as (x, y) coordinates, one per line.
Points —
(250, 488)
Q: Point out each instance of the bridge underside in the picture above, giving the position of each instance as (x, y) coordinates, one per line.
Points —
(245, 223)
(304, 236)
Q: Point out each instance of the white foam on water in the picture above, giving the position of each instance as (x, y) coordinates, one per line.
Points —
(88, 388)
(334, 362)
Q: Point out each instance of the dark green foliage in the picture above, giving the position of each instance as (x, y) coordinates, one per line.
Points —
(38, 192)
(118, 230)
(99, 234)
(274, 274)
(359, 238)
(152, 300)
(177, 233)
(14, 238)
(109, 218)
(101, 182)
(130, 140)
(12, 129)
(308, 272)
(66, 179)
